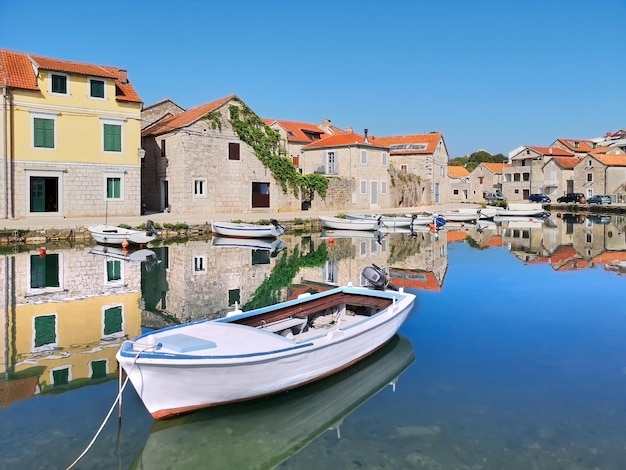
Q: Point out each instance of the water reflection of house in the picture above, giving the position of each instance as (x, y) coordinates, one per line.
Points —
(65, 314)
(414, 279)
(524, 239)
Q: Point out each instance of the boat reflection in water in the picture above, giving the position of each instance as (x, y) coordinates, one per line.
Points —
(263, 433)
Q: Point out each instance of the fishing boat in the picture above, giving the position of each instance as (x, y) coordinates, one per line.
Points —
(245, 230)
(521, 210)
(273, 245)
(248, 355)
(264, 433)
(432, 220)
(105, 234)
(385, 220)
(337, 223)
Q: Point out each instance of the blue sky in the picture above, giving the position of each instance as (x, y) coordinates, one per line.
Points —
(488, 75)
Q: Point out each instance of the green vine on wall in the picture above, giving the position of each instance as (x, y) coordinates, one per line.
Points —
(265, 143)
(214, 119)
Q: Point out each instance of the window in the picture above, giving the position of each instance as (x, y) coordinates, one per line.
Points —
(404, 168)
(60, 376)
(590, 177)
(364, 157)
(112, 138)
(455, 192)
(199, 188)
(44, 271)
(383, 187)
(199, 264)
(114, 270)
(363, 185)
(43, 133)
(113, 320)
(162, 148)
(96, 88)
(331, 163)
(45, 331)
(260, 194)
(99, 369)
(516, 177)
(234, 296)
(59, 84)
(481, 179)
(526, 176)
(233, 151)
(383, 158)
(114, 187)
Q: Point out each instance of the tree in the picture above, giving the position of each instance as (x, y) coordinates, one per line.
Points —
(472, 161)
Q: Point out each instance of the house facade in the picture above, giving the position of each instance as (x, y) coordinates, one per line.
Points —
(460, 188)
(601, 173)
(486, 177)
(70, 139)
(196, 162)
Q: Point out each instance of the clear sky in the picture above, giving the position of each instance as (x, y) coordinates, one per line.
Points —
(489, 75)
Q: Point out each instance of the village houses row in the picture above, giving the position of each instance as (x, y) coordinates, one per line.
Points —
(77, 141)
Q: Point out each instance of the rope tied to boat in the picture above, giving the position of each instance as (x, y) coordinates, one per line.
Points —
(115, 402)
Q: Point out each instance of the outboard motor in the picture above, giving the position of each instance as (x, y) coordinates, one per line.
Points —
(377, 278)
(150, 227)
(275, 223)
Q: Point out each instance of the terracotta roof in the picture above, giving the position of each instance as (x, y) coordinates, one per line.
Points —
(496, 240)
(554, 151)
(414, 279)
(567, 162)
(610, 257)
(185, 118)
(17, 389)
(420, 143)
(344, 140)
(456, 235)
(17, 70)
(495, 167)
(300, 131)
(611, 160)
(457, 171)
(583, 144)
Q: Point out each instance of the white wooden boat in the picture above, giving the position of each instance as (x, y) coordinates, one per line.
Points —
(264, 351)
(113, 235)
(458, 216)
(263, 433)
(521, 210)
(385, 220)
(115, 252)
(266, 244)
(244, 230)
(338, 223)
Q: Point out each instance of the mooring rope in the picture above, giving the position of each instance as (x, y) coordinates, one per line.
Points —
(117, 400)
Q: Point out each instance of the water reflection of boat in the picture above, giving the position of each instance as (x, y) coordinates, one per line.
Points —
(263, 433)
(266, 244)
(123, 254)
(376, 234)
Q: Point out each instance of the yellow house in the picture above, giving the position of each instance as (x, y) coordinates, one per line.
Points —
(69, 139)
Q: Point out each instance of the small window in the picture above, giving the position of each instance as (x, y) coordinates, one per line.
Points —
(199, 188)
(96, 88)
(364, 157)
(233, 151)
(404, 168)
(455, 192)
(199, 264)
(383, 187)
(114, 270)
(481, 179)
(112, 138)
(162, 148)
(113, 320)
(114, 187)
(383, 158)
(59, 84)
(44, 133)
(526, 176)
(589, 177)
(98, 369)
(60, 376)
(45, 331)
(44, 272)
(363, 185)
(234, 295)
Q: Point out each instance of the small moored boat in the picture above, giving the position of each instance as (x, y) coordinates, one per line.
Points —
(244, 230)
(385, 220)
(274, 246)
(337, 223)
(268, 350)
(113, 235)
(521, 210)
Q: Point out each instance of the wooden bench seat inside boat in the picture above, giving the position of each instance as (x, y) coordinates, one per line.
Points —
(306, 309)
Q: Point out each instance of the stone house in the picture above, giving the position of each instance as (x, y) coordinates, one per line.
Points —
(70, 138)
(601, 173)
(579, 147)
(558, 176)
(525, 176)
(425, 156)
(196, 162)
(460, 189)
(487, 177)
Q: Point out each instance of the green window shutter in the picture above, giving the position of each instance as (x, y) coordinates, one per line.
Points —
(61, 377)
(97, 88)
(114, 188)
(112, 320)
(114, 270)
(44, 272)
(59, 84)
(112, 138)
(44, 133)
(45, 330)
(98, 369)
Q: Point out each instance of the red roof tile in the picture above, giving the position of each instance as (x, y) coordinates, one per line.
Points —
(495, 167)
(566, 162)
(344, 140)
(185, 118)
(554, 151)
(301, 131)
(611, 160)
(17, 70)
(457, 171)
(429, 141)
(414, 279)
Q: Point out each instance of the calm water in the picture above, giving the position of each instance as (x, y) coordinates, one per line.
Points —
(514, 357)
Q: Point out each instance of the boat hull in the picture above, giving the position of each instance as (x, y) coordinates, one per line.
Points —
(242, 230)
(388, 222)
(112, 235)
(337, 223)
(171, 384)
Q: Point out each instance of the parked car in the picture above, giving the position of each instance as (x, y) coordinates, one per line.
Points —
(599, 199)
(494, 196)
(538, 198)
(572, 197)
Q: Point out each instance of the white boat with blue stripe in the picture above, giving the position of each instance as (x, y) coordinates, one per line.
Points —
(248, 355)
(245, 230)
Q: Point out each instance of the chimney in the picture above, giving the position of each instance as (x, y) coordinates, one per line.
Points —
(365, 134)
(349, 129)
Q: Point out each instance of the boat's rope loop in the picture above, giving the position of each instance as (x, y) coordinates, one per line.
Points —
(117, 399)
